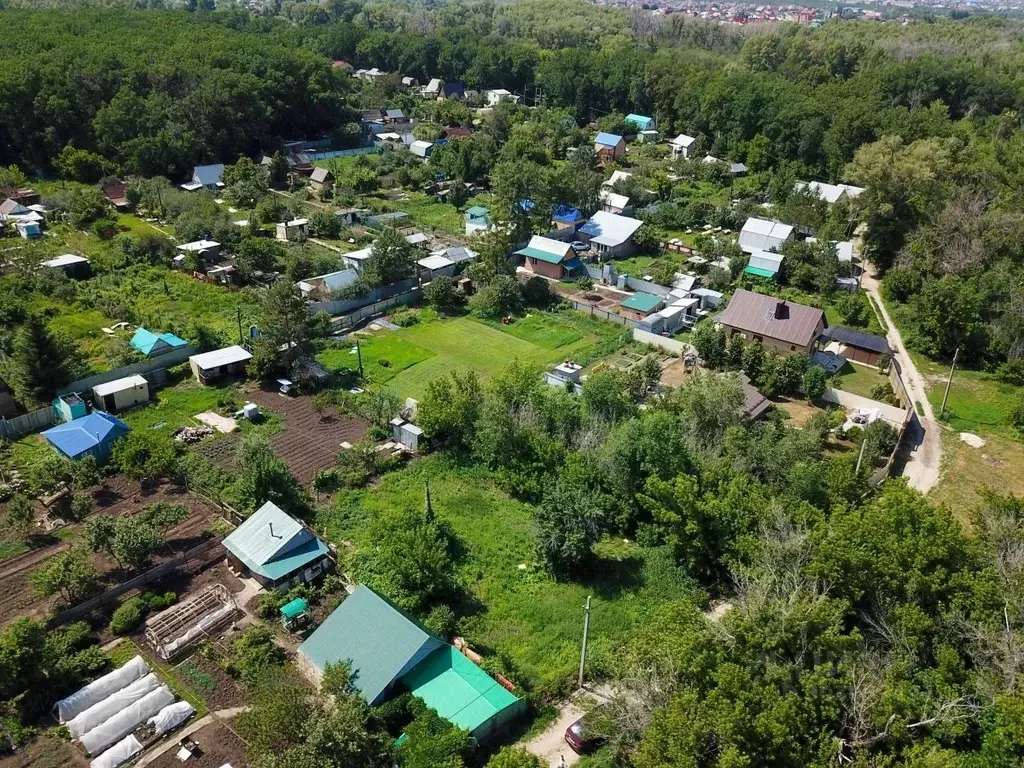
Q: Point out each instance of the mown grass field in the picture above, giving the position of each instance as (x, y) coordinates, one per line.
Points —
(409, 358)
(860, 379)
(521, 613)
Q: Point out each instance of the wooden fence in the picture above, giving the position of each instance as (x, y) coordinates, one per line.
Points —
(192, 561)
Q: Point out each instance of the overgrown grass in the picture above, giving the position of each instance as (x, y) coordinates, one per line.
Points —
(515, 608)
(978, 402)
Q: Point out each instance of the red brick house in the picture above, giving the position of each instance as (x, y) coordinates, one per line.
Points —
(550, 258)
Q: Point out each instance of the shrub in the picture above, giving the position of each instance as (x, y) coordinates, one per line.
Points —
(128, 616)
(537, 292)
(441, 621)
(1016, 417)
(403, 318)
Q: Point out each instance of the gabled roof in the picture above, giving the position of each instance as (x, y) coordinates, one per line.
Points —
(607, 139)
(394, 114)
(77, 437)
(321, 175)
(274, 544)
(11, 207)
(642, 302)
(764, 260)
(616, 177)
(610, 229)
(453, 89)
(642, 122)
(378, 640)
(545, 249)
(613, 199)
(435, 261)
(830, 193)
(332, 282)
(148, 342)
(476, 212)
(771, 317)
(763, 235)
(208, 175)
(420, 148)
(67, 260)
(434, 85)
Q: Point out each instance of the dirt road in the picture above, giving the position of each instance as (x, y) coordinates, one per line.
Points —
(550, 745)
(925, 457)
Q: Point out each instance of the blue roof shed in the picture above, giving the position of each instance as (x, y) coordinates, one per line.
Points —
(608, 139)
(151, 344)
(92, 435)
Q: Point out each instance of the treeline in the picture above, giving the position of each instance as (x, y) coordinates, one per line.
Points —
(154, 92)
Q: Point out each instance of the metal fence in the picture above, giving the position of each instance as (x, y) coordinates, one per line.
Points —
(192, 561)
(662, 342)
(603, 314)
(36, 421)
(342, 306)
(354, 318)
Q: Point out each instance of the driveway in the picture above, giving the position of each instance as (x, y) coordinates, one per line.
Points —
(550, 745)
(923, 439)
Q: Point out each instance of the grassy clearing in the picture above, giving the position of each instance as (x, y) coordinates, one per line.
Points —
(978, 402)
(409, 358)
(521, 613)
(429, 214)
(176, 406)
(860, 379)
(967, 471)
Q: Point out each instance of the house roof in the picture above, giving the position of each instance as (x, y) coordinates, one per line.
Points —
(116, 193)
(435, 261)
(67, 260)
(321, 175)
(457, 689)
(613, 199)
(763, 235)
(610, 229)
(416, 238)
(420, 148)
(616, 177)
(378, 640)
(764, 260)
(274, 544)
(642, 302)
(607, 139)
(682, 140)
(476, 212)
(434, 85)
(772, 317)
(460, 253)
(119, 385)
(208, 175)
(198, 245)
(545, 249)
(77, 437)
(830, 193)
(844, 248)
(754, 403)
(453, 89)
(147, 342)
(858, 339)
(333, 282)
(219, 357)
(394, 114)
(643, 122)
(458, 132)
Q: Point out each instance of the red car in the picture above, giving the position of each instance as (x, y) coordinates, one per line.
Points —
(579, 740)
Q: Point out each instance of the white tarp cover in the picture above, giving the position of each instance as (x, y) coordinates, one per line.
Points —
(119, 754)
(111, 705)
(171, 716)
(101, 688)
(125, 721)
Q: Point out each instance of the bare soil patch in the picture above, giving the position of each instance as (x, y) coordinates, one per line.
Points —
(46, 751)
(219, 744)
(310, 440)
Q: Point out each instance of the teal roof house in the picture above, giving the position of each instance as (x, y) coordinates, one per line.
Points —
(277, 550)
(152, 344)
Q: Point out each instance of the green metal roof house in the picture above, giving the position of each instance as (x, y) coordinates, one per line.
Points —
(640, 122)
(276, 549)
(389, 652)
(642, 303)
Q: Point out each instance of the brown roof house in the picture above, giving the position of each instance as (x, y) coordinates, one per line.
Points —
(776, 323)
(117, 194)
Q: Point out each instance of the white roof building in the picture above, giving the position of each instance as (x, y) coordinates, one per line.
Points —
(844, 248)
(770, 262)
(119, 385)
(435, 261)
(610, 229)
(209, 360)
(830, 193)
(682, 141)
(618, 176)
(357, 259)
(421, 148)
(613, 200)
(416, 238)
(763, 235)
(67, 260)
(329, 283)
(198, 245)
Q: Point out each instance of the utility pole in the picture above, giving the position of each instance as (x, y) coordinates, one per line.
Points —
(586, 634)
(238, 310)
(359, 354)
(949, 382)
(860, 457)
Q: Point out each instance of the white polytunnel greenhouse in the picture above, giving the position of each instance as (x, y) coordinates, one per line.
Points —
(110, 706)
(101, 688)
(126, 721)
(170, 717)
(181, 626)
(119, 754)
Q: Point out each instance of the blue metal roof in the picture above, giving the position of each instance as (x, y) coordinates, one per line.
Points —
(608, 139)
(566, 213)
(78, 437)
(148, 342)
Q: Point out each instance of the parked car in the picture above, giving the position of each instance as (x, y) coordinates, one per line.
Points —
(579, 246)
(580, 739)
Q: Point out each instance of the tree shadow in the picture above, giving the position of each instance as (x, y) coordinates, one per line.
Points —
(610, 577)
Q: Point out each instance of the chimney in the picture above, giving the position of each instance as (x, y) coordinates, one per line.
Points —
(781, 310)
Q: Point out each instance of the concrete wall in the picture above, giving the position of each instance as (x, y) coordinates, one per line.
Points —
(669, 345)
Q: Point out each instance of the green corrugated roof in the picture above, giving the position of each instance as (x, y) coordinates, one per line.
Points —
(274, 544)
(459, 691)
(536, 253)
(642, 302)
(379, 641)
(477, 212)
(294, 608)
(758, 271)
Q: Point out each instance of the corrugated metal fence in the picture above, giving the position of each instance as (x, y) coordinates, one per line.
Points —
(142, 367)
(36, 421)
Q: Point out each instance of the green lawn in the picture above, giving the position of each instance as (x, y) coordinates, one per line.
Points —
(860, 379)
(522, 613)
(429, 214)
(978, 402)
(420, 353)
(176, 406)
